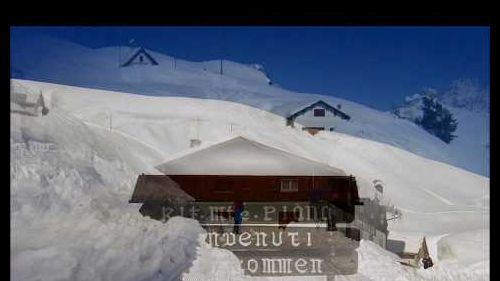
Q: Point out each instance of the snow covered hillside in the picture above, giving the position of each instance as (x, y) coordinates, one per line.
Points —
(73, 170)
(61, 62)
(471, 108)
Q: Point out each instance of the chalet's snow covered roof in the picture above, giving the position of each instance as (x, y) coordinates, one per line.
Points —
(242, 156)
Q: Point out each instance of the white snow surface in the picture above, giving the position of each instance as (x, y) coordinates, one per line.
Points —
(62, 62)
(73, 171)
(242, 156)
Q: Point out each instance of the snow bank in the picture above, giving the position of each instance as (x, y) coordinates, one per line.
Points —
(162, 126)
(469, 247)
(375, 264)
(69, 214)
(73, 171)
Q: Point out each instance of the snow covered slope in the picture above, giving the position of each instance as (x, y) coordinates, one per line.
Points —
(70, 184)
(73, 172)
(471, 108)
(53, 60)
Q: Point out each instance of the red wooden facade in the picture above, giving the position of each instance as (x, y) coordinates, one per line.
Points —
(340, 190)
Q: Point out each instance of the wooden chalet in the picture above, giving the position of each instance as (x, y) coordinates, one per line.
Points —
(240, 169)
(317, 116)
(140, 57)
(259, 175)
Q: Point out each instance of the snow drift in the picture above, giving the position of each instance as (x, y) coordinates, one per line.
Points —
(73, 171)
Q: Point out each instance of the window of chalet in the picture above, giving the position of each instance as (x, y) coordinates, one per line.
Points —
(289, 185)
(319, 112)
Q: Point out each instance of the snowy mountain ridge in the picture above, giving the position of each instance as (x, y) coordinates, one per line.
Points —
(462, 94)
(67, 63)
(469, 105)
(466, 94)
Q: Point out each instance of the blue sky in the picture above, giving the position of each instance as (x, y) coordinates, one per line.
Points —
(376, 66)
